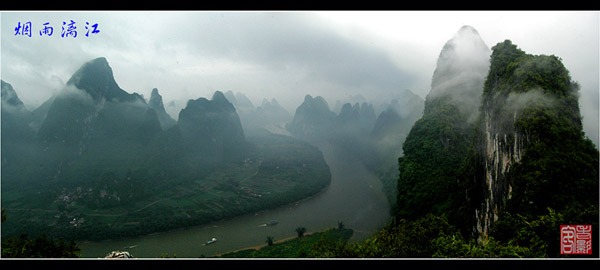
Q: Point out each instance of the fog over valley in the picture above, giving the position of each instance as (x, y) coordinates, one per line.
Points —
(287, 134)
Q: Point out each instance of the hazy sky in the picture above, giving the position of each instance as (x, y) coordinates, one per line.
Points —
(283, 55)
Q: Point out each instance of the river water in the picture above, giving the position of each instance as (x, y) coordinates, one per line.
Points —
(354, 198)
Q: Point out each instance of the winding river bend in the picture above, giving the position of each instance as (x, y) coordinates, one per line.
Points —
(354, 198)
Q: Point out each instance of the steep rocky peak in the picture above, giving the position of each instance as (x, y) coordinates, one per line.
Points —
(97, 68)
(265, 102)
(9, 95)
(520, 88)
(347, 108)
(464, 52)
(467, 40)
(274, 102)
(218, 96)
(231, 97)
(243, 101)
(462, 67)
(96, 78)
(196, 108)
(316, 104)
(156, 101)
(321, 102)
(154, 93)
(308, 98)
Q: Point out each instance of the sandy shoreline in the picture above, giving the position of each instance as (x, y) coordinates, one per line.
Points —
(261, 246)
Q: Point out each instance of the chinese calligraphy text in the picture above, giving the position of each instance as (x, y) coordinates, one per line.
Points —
(69, 29)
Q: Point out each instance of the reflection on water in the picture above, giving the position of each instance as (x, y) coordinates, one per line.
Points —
(354, 198)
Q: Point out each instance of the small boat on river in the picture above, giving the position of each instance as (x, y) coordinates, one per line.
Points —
(270, 223)
(210, 241)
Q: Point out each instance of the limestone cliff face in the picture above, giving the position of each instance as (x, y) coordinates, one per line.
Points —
(498, 143)
(500, 149)
(528, 102)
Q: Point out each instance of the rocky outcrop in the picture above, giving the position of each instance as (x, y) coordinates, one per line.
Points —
(156, 103)
(501, 149)
(529, 140)
(118, 255)
(96, 78)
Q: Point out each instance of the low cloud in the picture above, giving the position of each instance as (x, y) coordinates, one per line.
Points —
(516, 102)
(461, 70)
(282, 55)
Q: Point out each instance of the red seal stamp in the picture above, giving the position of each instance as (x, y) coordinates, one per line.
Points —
(575, 239)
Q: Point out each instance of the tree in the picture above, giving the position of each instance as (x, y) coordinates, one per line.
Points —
(270, 240)
(40, 247)
(300, 231)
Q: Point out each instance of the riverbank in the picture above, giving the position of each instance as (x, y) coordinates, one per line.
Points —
(338, 202)
(306, 246)
(263, 245)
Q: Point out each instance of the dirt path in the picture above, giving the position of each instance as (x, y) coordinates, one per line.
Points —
(255, 174)
(126, 212)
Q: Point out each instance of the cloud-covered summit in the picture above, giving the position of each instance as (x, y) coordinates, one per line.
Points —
(461, 70)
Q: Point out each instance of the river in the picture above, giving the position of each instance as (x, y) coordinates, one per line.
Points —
(353, 198)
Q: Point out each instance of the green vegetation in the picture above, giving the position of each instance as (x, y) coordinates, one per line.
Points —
(97, 164)
(270, 240)
(529, 111)
(427, 237)
(432, 236)
(556, 180)
(40, 247)
(433, 153)
(314, 245)
(138, 201)
(442, 177)
(300, 231)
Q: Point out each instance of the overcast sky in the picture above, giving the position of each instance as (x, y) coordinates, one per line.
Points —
(283, 55)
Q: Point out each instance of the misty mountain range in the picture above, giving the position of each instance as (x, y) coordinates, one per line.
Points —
(94, 118)
(499, 137)
(94, 137)
(93, 110)
(112, 151)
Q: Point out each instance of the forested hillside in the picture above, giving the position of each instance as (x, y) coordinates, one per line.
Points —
(499, 184)
(96, 162)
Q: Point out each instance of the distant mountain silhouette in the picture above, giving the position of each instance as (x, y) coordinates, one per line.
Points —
(312, 119)
(156, 103)
(212, 128)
